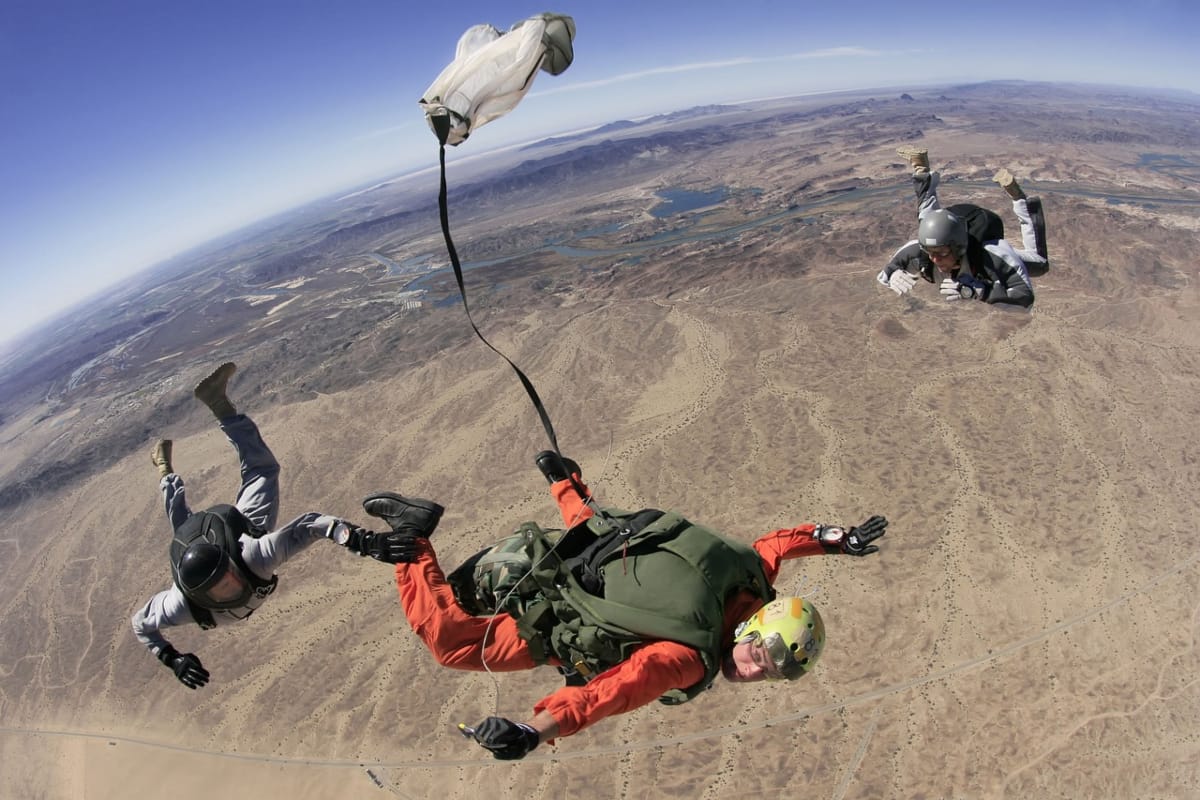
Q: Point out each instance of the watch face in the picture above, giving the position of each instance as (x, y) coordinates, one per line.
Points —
(832, 535)
(341, 533)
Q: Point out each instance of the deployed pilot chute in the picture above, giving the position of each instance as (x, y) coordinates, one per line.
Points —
(490, 74)
(492, 70)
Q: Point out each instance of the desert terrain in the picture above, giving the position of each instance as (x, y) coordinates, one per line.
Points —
(1028, 630)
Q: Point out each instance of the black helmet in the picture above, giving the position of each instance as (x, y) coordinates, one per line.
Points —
(210, 578)
(205, 561)
(940, 228)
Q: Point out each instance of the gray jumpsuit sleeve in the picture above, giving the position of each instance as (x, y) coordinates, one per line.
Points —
(267, 553)
(163, 610)
(909, 258)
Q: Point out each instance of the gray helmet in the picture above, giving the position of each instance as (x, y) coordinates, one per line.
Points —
(940, 228)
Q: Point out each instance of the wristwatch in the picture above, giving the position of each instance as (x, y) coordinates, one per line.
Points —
(829, 535)
(341, 533)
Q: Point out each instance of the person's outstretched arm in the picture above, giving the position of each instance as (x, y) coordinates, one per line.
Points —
(650, 672)
(777, 546)
(163, 610)
(267, 553)
(814, 540)
(902, 270)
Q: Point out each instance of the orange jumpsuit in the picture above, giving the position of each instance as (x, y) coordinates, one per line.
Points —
(462, 641)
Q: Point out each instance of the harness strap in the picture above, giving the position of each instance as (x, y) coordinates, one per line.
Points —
(202, 615)
(559, 583)
(441, 126)
(533, 626)
(586, 566)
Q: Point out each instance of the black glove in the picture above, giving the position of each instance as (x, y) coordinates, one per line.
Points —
(856, 541)
(507, 740)
(390, 548)
(187, 667)
(354, 543)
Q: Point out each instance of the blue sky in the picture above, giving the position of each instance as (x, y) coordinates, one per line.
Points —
(133, 129)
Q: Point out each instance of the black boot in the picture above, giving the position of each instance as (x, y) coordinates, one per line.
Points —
(554, 468)
(410, 515)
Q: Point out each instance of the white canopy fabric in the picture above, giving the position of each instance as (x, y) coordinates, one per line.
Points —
(493, 70)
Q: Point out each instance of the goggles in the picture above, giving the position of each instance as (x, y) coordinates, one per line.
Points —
(787, 668)
(938, 252)
(230, 588)
(788, 635)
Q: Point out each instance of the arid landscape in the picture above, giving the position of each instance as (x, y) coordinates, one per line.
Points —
(1028, 630)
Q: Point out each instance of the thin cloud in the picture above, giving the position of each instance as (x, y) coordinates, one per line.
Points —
(828, 52)
(381, 132)
(838, 52)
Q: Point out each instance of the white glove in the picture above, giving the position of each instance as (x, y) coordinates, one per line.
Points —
(882, 277)
(966, 289)
(902, 282)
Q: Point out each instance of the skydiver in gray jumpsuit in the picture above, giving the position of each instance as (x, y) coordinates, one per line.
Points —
(993, 270)
(226, 569)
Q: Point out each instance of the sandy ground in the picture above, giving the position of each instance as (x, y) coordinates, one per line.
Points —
(1028, 630)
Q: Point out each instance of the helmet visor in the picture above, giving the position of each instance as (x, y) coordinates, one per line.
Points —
(230, 588)
(783, 659)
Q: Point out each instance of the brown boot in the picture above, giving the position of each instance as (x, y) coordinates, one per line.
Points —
(917, 159)
(1009, 184)
(160, 456)
(211, 391)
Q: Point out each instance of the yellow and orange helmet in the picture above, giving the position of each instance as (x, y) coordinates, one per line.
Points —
(791, 631)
